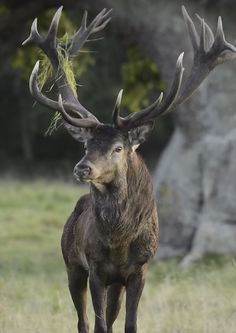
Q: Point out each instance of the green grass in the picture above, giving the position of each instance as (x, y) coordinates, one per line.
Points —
(33, 285)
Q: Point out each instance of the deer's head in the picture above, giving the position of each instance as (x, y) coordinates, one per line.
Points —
(108, 147)
(107, 151)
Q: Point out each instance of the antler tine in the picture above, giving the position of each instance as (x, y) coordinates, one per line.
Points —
(170, 99)
(143, 114)
(191, 29)
(103, 20)
(220, 36)
(136, 118)
(202, 45)
(209, 36)
(52, 32)
(104, 24)
(85, 123)
(157, 108)
(117, 120)
(34, 36)
(81, 36)
(84, 21)
(35, 91)
(175, 87)
(220, 43)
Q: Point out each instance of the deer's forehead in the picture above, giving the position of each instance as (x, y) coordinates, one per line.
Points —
(106, 137)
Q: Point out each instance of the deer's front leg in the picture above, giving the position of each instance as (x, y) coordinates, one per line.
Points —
(98, 293)
(134, 290)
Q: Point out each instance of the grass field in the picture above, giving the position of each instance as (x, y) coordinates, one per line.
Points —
(33, 285)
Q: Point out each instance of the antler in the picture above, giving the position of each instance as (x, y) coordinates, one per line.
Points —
(208, 52)
(145, 115)
(81, 36)
(50, 45)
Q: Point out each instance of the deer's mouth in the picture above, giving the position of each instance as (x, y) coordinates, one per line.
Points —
(81, 178)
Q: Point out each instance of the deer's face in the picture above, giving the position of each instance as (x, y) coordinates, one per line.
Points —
(107, 150)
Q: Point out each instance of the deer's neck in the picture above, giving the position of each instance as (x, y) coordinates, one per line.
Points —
(121, 206)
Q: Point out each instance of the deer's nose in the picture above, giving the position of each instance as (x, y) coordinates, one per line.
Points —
(82, 171)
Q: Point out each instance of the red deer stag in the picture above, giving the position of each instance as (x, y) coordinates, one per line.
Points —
(113, 231)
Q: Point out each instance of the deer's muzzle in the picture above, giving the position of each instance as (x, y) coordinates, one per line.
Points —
(82, 171)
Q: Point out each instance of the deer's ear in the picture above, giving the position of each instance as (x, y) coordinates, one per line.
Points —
(139, 134)
(78, 133)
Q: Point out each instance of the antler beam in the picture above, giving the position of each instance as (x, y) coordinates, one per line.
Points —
(50, 45)
(208, 52)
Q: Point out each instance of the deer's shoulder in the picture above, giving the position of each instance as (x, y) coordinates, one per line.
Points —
(81, 205)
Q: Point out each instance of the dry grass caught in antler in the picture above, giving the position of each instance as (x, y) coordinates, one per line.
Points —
(46, 73)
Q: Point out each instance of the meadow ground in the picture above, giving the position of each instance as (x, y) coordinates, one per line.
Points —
(33, 285)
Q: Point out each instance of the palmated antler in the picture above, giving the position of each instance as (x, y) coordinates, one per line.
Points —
(208, 52)
(50, 46)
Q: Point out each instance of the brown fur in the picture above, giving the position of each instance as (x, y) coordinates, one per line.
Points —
(110, 236)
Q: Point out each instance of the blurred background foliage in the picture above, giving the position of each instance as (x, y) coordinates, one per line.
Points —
(101, 70)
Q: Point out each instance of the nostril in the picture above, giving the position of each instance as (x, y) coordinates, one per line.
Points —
(82, 170)
(86, 171)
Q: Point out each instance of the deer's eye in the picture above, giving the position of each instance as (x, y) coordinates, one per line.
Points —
(118, 149)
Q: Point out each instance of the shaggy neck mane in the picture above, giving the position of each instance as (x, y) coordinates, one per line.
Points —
(121, 206)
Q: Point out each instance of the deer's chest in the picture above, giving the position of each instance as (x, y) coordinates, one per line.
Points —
(116, 263)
